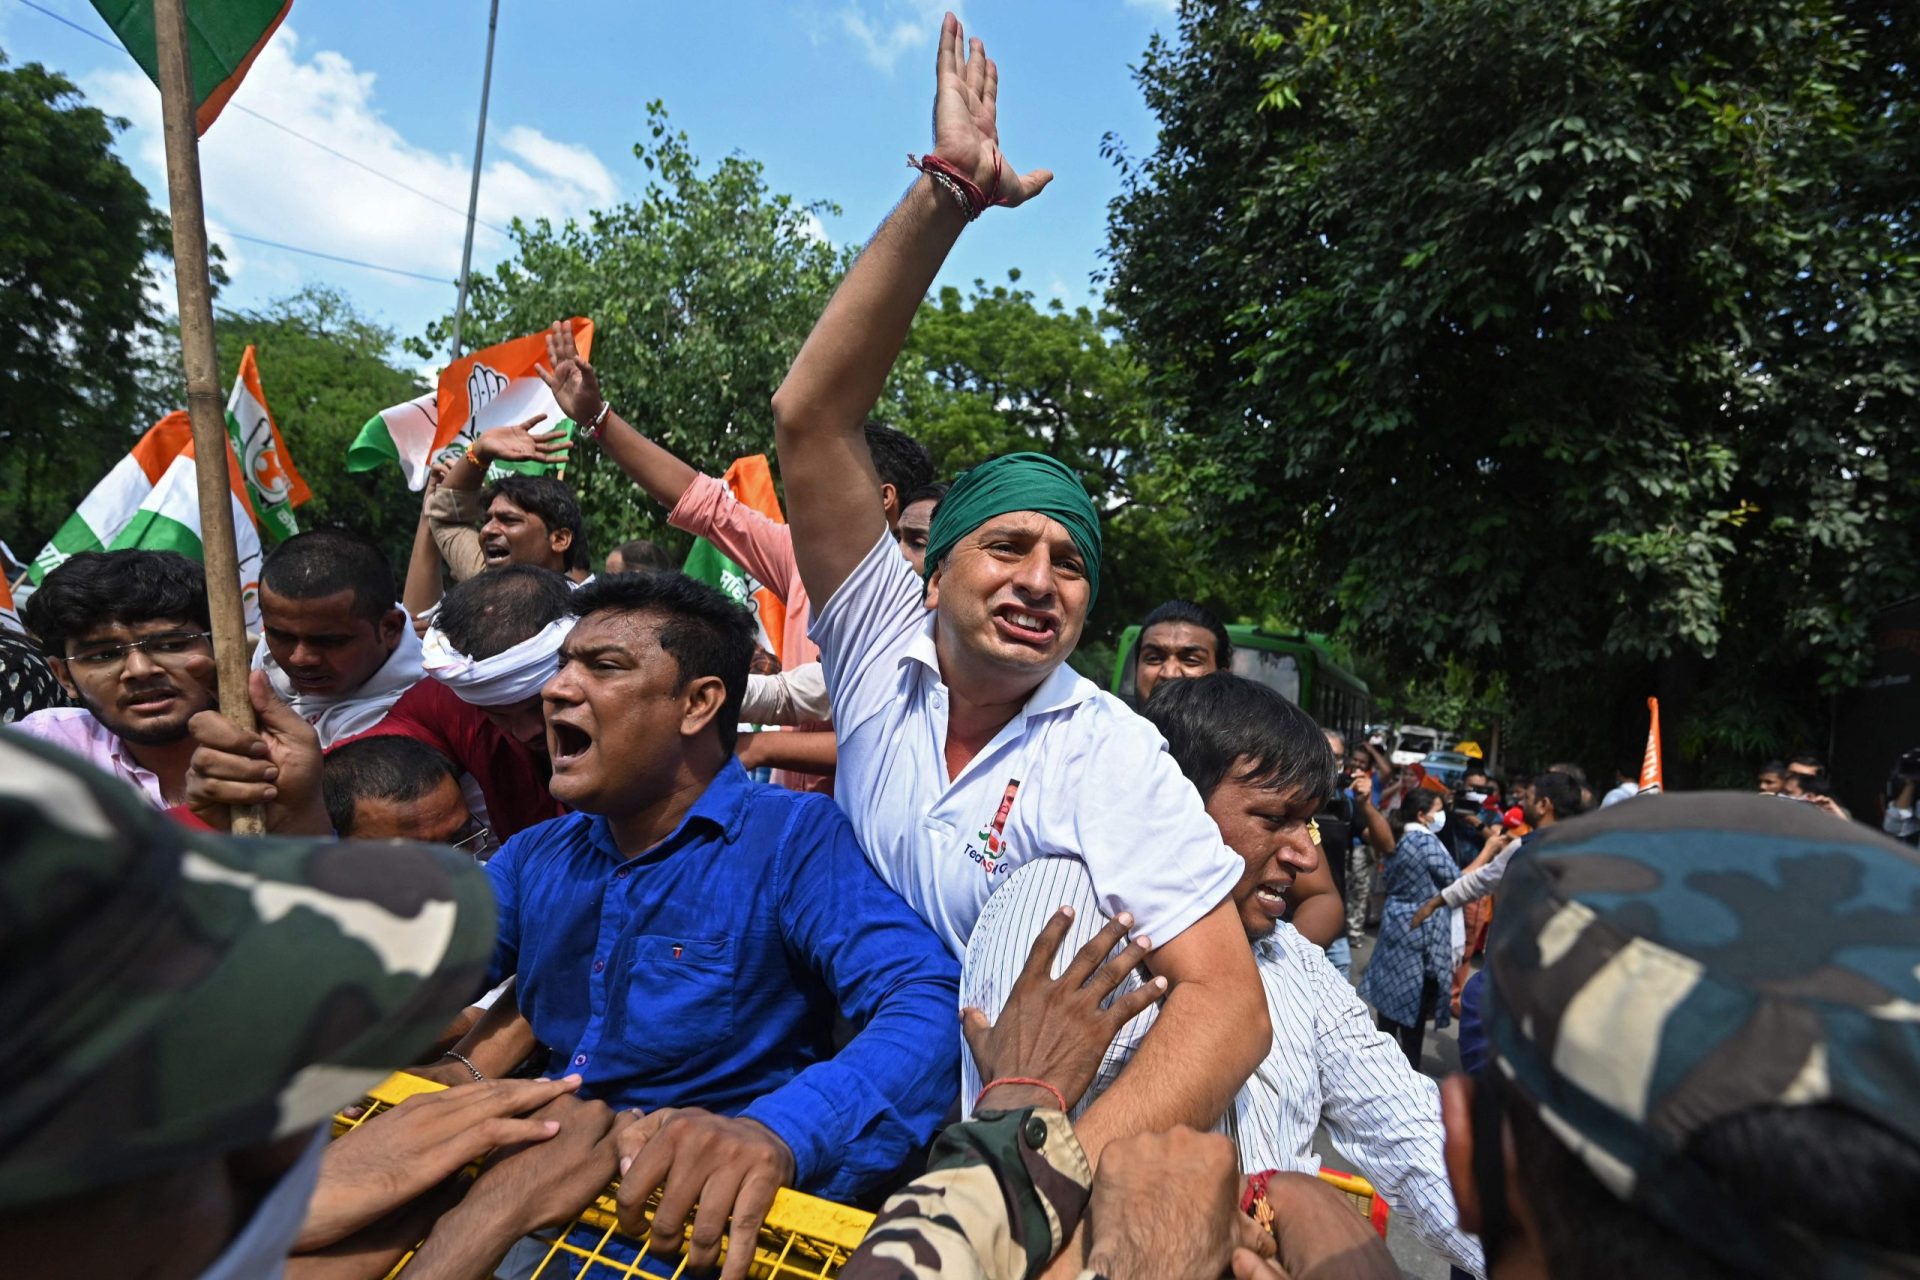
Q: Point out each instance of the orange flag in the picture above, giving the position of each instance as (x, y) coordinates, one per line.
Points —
(751, 480)
(1650, 779)
(496, 387)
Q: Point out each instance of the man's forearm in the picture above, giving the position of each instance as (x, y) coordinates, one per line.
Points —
(422, 590)
(663, 475)
(800, 751)
(1374, 828)
(1206, 1042)
(833, 492)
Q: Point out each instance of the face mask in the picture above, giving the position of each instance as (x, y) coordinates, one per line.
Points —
(260, 1251)
(1437, 819)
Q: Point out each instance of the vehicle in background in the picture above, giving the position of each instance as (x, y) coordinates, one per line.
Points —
(1447, 766)
(1296, 666)
(1413, 743)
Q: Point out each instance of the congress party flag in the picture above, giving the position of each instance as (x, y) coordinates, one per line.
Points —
(150, 500)
(751, 481)
(274, 486)
(493, 387)
(9, 616)
(223, 39)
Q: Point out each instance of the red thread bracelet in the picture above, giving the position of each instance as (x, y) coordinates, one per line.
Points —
(1058, 1097)
(977, 201)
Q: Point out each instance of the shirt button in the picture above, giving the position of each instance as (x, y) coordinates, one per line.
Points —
(1035, 1132)
(621, 874)
(579, 1059)
(599, 965)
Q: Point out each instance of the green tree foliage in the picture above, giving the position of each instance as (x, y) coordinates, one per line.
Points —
(1577, 340)
(325, 369)
(700, 293)
(77, 300)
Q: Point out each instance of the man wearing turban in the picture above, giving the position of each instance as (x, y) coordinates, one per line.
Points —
(968, 746)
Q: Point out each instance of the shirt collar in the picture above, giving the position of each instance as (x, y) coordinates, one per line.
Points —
(1063, 689)
(721, 808)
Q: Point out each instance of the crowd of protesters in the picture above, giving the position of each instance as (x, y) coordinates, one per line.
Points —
(1058, 984)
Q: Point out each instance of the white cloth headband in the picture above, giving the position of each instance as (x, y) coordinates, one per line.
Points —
(505, 678)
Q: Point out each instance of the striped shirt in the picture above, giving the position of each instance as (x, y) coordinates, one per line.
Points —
(1328, 1064)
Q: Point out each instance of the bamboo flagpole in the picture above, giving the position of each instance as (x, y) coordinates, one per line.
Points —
(206, 408)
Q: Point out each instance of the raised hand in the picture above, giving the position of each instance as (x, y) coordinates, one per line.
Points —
(1055, 1029)
(521, 443)
(966, 129)
(572, 380)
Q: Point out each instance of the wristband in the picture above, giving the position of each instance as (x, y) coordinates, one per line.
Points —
(473, 456)
(591, 430)
(1058, 1097)
(965, 191)
(464, 1061)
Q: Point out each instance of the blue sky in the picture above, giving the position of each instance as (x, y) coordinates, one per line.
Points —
(829, 95)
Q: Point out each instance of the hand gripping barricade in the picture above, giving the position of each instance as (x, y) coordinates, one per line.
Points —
(803, 1239)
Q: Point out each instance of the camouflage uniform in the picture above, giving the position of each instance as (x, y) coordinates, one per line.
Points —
(171, 995)
(1678, 959)
(999, 1199)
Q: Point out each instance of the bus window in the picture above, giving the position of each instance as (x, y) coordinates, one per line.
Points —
(1278, 671)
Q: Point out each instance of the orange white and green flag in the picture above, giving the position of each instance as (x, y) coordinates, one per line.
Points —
(151, 501)
(223, 39)
(274, 486)
(493, 387)
(751, 480)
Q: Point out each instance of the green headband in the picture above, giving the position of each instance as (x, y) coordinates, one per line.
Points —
(1018, 482)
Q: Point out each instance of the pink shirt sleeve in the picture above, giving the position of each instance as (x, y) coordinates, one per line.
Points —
(763, 547)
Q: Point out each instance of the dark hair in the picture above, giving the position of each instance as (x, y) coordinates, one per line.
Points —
(390, 767)
(323, 562)
(642, 554)
(491, 612)
(936, 493)
(553, 502)
(1563, 789)
(1810, 762)
(1195, 615)
(899, 459)
(99, 587)
(1822, 1169)
(1573, 771)
(1775, 767)
(1413, 805)
(1213, 723)
(704, 631)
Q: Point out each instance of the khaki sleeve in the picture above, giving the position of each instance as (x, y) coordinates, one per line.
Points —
(453, 517)
(999, 1200)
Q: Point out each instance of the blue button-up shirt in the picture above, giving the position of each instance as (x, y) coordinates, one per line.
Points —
(706, 972)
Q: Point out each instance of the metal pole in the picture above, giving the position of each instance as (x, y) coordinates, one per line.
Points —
(204, 405)
(473, 193)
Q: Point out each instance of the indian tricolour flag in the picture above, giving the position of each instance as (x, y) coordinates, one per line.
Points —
(223, 39)
(493, 387)
(150, 500)
(751, 480)
(274, 485)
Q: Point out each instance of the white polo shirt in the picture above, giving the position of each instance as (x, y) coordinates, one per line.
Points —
(1075, 774)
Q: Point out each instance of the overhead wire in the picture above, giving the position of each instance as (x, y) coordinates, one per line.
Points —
(111, 43)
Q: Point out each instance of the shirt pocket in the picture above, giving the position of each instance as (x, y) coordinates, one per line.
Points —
(679, 999)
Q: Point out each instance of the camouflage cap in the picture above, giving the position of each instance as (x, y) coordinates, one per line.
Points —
(1669, 962)
(169, 995)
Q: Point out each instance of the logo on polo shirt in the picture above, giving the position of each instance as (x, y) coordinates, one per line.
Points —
(992, 837)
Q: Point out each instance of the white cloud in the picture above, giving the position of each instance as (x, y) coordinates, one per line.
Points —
(813, 229)
(1166, 8)
(885, 30)
(259, 181)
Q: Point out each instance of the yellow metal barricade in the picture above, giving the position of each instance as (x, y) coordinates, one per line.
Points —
(1366, 1201)
(802, 1237)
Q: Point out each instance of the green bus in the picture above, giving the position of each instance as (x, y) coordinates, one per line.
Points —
(1297, 666)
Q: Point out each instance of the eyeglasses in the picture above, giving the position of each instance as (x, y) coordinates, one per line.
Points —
(479, 842)
(169, 648)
